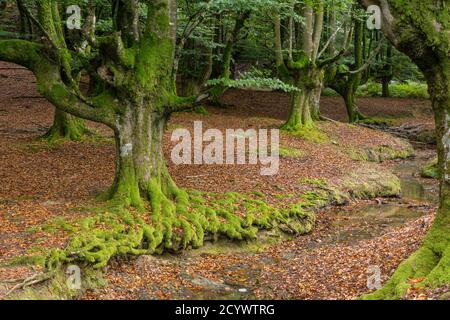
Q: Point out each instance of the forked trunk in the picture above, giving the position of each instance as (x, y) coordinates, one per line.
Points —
(304, 104)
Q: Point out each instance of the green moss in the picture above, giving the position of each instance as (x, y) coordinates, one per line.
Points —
(313, 135)
(66, 127)
(381, 153)
(431, 170)
(35, 259)
(201, 110)
(314, 182)
(58, 224)
(184, 222)
(289, 152)
(369, 183)
(259, 194)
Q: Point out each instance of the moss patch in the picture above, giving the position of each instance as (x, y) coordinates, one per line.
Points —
(369, 183)
(431, 170)
(288, 152)
(381, 153)
(310, 134)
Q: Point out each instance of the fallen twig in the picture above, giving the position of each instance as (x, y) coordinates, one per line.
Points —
(32, 280)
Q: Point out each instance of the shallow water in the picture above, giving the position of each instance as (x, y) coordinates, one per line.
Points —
(372, 220)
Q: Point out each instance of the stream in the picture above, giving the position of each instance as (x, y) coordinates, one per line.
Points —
(362, 221)
(371, 220)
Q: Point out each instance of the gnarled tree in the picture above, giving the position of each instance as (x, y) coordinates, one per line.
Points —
(304, 67)
(421, 29)
(134, 94)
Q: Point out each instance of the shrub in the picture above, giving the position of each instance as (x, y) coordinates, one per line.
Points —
(397, 90)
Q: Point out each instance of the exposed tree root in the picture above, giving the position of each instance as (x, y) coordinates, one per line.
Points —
(178, 220)
(28, 282)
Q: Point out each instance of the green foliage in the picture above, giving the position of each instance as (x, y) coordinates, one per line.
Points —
(397, 90)
(253, 83)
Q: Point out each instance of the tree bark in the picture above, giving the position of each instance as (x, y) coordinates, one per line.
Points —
(66, 126)
(141, 170)
(304, 104)
(420, 29)
(385, 87)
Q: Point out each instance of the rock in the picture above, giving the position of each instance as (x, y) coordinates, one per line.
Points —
(144, 262)
(209, 284)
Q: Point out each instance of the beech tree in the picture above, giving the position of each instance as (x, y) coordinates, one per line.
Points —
(345, 78)
(132, 67)
(132, 90)
(305, 62)
(421, 29)
(65, 126)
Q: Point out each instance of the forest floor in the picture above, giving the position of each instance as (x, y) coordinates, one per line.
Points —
(45, 186)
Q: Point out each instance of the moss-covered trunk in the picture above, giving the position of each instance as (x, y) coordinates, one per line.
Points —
(354, 115)
(141, 171)
(432, 261)
(304, 104)
(315, 102)
(191, 87)
(300, 115)
(66, 126)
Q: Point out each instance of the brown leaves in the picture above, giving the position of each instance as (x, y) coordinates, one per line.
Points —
(39, 183)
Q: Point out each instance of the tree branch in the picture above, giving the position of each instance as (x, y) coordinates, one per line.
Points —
(21, 52)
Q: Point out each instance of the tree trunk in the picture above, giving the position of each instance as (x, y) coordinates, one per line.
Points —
(304, 104)
(385, 87)
(191, 87)
(315, 103)
(432, 261)
(141, 170)
(66, 126)
(354, 115)
(300, 115)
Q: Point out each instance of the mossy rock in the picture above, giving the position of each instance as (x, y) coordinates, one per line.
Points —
(369, 183)
(431, 170)
(382, 153)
